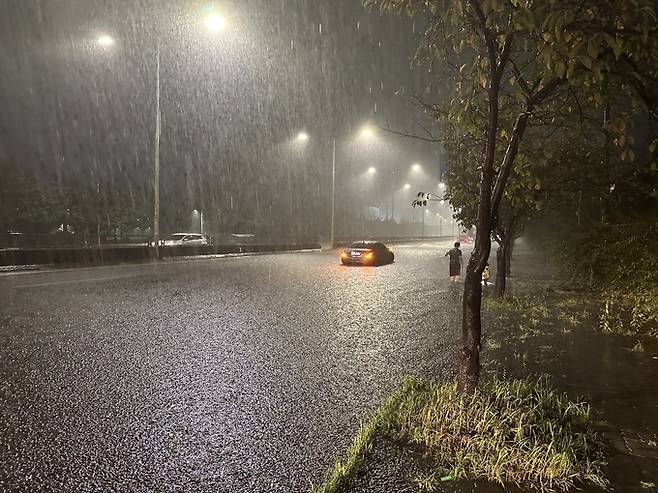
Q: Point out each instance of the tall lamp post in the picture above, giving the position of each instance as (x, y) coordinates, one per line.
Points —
(333, 193)
(366, 133)
(156, 168)
(214, 23)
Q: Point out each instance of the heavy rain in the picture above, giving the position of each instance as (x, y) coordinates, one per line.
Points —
(328, 246)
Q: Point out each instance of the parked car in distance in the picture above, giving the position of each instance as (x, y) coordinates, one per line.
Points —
(367, 253)
(185, 239)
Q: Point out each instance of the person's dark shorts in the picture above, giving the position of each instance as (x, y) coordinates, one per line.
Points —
(455, 269)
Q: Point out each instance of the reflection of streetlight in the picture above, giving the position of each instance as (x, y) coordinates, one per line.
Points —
(372, 170)
(105, 40)
(415, 167)
(302, 137)
(215, 23)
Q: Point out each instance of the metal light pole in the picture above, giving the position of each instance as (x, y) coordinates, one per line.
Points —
(333, 192)
(393, 196)
(422, 235)
(156, 170)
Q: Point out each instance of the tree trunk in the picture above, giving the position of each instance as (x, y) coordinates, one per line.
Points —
(468, 359)
(501, 268)
(509, 251)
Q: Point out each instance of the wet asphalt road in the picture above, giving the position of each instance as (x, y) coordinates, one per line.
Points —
(225, 375)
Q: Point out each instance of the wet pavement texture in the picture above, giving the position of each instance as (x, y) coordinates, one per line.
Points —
(226, 375)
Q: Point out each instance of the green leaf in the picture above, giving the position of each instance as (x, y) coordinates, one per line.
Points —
(586, 61)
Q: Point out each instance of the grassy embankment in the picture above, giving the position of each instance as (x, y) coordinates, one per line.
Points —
(522, 432)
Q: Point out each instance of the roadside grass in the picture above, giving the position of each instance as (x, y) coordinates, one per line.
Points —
(521, 432)
(526, 305)
(638, 348)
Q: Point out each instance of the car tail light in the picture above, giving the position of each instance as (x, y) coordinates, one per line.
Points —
(368, 255)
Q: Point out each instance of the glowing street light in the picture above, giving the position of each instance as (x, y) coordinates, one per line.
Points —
(372, 170)
(302, 137)
(215, 23)
(105, 41)
(407, 186)
(415, 167)
(442, 185)
(367, 133)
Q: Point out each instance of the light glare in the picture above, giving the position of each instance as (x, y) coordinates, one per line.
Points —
(215, 23)
(302, 136)
(105, 40)
(367, 133)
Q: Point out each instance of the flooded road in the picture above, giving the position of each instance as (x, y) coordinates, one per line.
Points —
(247, 374)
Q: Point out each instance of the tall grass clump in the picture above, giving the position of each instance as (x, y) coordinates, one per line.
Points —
(521, 432)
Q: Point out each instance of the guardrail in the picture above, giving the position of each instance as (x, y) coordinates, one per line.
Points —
(387, 240)
(127, 254)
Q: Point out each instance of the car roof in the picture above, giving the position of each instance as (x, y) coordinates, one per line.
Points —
(367, 243)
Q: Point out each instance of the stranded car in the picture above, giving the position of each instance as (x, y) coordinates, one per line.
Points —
(185, 239)
(367, 253)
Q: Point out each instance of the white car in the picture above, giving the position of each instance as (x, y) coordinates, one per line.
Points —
(185, 239)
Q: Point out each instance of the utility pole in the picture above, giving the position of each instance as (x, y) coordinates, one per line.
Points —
(393, 196)
(423, 230)
(156, 170)
(333, 192)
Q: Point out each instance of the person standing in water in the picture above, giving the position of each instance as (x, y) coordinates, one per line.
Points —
(456, 262)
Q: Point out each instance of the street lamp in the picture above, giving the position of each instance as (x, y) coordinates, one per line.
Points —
(407, 186)
(415, 167)
(215, 23)
(105, 41)
(367, 132)
(195, 212)
(442, 185)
